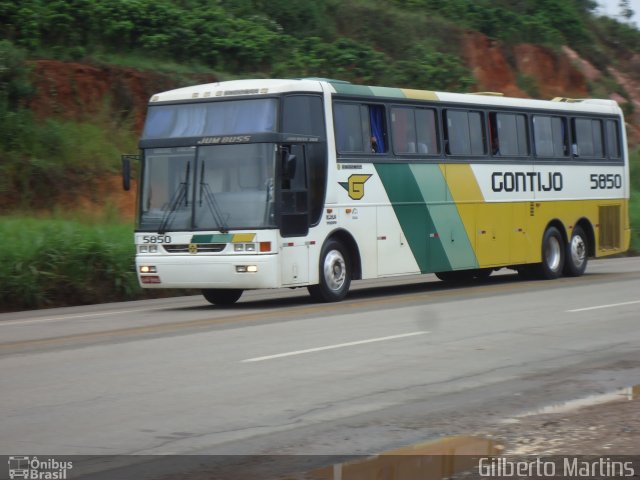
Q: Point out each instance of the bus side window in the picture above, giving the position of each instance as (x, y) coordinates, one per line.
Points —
(550, 136)
(493, 134)
(360, 128)
(302, 114)
(378, 129)
(587, 135)
(464, 132)
(508, 134)
(613, 139)
(426, 131)
(403, 130)
(348, 124)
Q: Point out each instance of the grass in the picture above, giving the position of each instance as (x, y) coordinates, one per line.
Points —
(54, 262)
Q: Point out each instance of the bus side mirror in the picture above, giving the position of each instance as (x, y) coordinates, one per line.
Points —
(126, 170)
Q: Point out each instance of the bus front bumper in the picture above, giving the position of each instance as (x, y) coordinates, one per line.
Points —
(201, 271)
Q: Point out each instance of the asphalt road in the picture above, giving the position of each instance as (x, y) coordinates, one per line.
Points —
(400, 361)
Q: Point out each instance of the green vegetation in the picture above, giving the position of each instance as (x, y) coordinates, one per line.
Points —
(41, 160)
(44, 160)
(243, 37)
(53, 262)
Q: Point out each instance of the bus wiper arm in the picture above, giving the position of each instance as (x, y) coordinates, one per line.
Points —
(212, 203)
(179, 196)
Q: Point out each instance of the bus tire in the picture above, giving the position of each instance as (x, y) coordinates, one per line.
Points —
(526, 272)
(222, 296)
(577, 253)
(553, 250)
(335, 274)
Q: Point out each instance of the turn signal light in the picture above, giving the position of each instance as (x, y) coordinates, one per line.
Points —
(265, 247)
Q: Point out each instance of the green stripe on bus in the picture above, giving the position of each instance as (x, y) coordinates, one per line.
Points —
(350, 89)
(445, 216)
(415, 219)
(388, 92)
(212, 238)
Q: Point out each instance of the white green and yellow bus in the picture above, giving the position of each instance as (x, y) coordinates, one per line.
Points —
(254, 184)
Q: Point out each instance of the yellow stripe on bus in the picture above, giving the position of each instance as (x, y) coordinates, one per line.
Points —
(243, 237)
(510, 233)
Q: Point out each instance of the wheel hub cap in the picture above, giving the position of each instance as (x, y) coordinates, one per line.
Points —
(552, 254)
(578, 251)
(334, 270)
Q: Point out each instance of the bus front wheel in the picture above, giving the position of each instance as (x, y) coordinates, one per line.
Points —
(553, 250)
(576, 255)
(335, 274)
(222, 296)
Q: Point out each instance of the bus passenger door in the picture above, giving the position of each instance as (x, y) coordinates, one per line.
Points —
(394, 253)
(293, 216)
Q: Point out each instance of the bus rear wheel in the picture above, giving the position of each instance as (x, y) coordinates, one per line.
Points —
(553, 250)
(335, 274)
(577, 253)
(222, 296)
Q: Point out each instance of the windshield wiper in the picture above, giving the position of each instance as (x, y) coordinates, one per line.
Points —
(179, 196)
(212, 203)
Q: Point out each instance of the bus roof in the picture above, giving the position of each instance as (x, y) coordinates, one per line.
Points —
(269, 86)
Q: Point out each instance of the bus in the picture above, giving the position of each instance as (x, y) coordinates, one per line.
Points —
(254, 184)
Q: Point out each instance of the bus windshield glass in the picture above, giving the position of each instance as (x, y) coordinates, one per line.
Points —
(218, 187)
(229, 117)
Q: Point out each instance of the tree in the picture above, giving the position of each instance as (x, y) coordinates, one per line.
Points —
(625, 10)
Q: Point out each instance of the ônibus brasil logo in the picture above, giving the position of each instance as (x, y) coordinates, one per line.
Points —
(38, 469)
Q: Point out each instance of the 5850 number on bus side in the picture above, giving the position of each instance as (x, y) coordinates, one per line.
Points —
(603, 181)
(156, 239)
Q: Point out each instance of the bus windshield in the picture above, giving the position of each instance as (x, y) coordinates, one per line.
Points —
(213, 118)
(217, 187)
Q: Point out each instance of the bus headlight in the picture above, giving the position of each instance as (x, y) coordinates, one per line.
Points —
(244, 247)
(246, 268)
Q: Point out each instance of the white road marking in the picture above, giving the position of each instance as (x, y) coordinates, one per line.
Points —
(331, 347)
(598, 307)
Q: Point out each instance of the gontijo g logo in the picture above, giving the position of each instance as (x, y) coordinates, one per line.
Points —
(355, 185)
(35, 469)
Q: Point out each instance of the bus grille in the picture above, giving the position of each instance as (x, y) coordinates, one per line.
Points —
(202, 248)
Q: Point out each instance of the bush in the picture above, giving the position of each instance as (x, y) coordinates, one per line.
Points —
(62, 262)
(42, 161)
